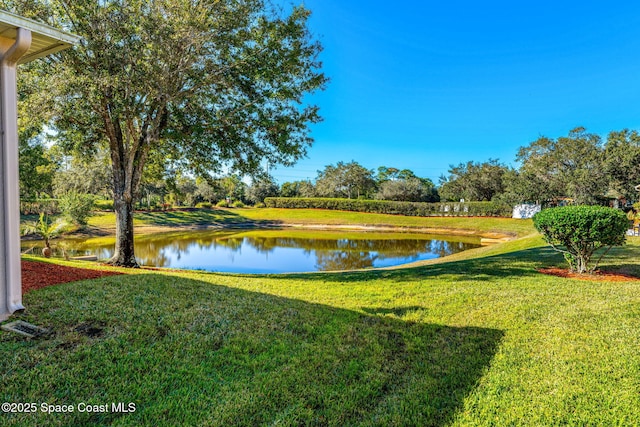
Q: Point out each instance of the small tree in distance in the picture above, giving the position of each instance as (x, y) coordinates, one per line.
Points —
(579, 231)
(348, 180)
(261, 189)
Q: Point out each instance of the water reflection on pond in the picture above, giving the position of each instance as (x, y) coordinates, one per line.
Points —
(276, 251)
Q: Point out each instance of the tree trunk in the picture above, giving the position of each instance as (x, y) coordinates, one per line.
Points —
(129, 151)
(124, 255)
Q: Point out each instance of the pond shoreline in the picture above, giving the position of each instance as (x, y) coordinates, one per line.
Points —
(272, 250)
(249, 222)
(487, 237)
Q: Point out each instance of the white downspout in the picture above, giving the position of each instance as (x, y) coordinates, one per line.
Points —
(10, 274)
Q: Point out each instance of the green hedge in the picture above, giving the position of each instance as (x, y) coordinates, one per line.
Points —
(394, 208)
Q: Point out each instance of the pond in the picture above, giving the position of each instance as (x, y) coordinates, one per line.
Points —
(272, 251)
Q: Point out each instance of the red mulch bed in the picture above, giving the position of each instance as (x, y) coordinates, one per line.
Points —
(36, 275)
(599, 275)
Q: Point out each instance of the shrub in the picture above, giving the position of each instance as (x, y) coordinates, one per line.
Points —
(579, 231)
(238, 204)
(222, 204)
(76, 207)
(393, 207)
(204, 205)
(44, 228)
(259, 205)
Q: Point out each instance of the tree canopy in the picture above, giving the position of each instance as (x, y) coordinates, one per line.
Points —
(205, 85)
(261, 189)
(37, 171)
(622, 162)
(473, 181)
(569, 166)
(349, 180)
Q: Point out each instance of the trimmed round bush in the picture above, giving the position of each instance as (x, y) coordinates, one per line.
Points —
(579, 231)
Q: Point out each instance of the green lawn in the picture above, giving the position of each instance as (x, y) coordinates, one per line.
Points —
(481, 338)
(275, 217)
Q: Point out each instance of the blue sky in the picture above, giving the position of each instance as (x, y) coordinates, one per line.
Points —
(426, 84)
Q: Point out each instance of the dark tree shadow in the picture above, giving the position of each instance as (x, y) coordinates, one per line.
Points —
(622, 260)
(248, 358)
(631, 270)
(202, 218)
(515, 264)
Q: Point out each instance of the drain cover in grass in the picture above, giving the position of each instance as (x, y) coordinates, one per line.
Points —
(26, 329)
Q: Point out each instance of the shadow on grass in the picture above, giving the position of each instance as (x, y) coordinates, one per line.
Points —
(632, 270)
(514, 264)
(623, 260)
(201, 217)
(187, 350)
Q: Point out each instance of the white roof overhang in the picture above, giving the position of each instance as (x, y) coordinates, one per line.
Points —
(45, 39)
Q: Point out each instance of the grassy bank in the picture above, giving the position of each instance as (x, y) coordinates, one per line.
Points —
(152, 221)
(481, 339)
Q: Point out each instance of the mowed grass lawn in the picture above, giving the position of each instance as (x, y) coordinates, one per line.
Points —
(480, 339)
(276, 217)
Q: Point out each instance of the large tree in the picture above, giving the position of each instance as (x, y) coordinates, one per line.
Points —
(211, 85)
(569, 166)
(261, 189)
(404, 185)
(473, 181)
(345, 180)
(298, 189)
(622, 162)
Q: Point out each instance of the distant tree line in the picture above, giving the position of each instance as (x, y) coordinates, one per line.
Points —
(580, 167)
(353, 181)
(47, 173)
